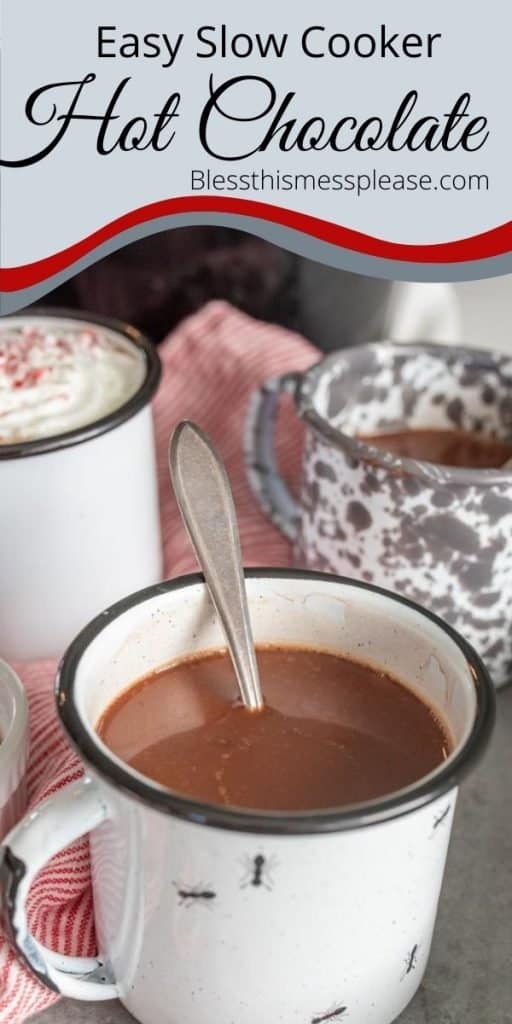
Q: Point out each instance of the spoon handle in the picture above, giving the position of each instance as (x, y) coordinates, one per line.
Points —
(205, 500)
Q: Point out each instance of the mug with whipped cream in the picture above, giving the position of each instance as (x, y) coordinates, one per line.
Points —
(79, 521)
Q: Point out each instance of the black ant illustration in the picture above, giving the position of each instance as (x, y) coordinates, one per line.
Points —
(411, 961)
(441, 818)
(258, 872)
(199, 894)
(340, 1011)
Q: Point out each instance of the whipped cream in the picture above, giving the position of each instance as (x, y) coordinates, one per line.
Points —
(56, 376)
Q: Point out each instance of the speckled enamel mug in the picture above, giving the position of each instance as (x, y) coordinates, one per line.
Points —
(13, 748)
(207, 913)
(439, 535)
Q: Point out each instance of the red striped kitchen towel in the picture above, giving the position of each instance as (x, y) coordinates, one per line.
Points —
(211, 363)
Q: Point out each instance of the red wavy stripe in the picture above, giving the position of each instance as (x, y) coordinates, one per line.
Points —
(483, 246)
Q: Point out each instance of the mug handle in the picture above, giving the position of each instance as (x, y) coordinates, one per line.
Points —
(266, 482)
(26, 849)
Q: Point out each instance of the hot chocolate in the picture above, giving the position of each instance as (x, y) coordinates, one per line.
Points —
(56, 379)
(445, 447)
(333, 732)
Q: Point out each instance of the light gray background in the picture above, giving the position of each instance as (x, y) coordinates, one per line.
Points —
(486, 308)
(53, 42)
(469, 979)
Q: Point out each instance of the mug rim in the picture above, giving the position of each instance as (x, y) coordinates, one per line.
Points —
(141, 397)
(431, 473)
(427, 789)
(16, 734)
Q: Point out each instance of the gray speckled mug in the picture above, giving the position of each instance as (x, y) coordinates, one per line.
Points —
(441, 536)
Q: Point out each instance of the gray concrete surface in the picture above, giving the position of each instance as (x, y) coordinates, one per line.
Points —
(469, 979)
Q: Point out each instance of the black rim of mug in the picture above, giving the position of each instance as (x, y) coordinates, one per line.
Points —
(356, 816)
(142, 396)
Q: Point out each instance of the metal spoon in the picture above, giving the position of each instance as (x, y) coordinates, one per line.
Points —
(206, 504)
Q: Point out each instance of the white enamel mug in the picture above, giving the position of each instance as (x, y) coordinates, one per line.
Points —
(79, 517)
(13, 748)
(205, 913)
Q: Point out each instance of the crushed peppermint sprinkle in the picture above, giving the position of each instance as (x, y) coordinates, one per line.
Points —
(56, 380)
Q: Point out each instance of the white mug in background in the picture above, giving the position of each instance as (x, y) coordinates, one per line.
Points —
(13, 748)
(207, 913)
(79, 517)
